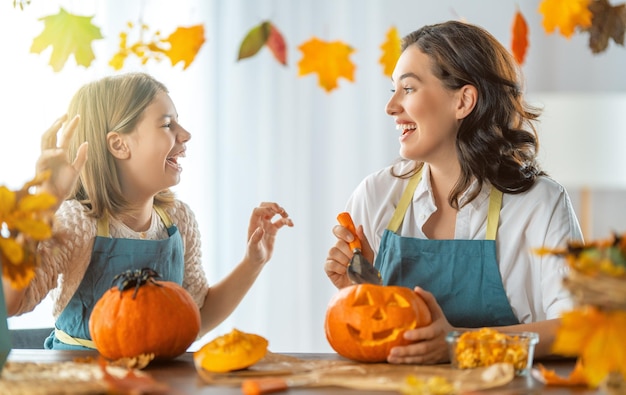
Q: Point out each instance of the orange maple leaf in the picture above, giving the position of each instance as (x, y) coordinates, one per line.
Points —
(185, 43)
(567, 15)
(330, 60)
(391, 51)
(519, 37)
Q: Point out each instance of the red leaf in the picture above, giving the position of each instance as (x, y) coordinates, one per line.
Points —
(276, 43)
(519, 40)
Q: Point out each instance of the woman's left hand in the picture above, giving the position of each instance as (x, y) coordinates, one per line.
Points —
(429, 342)
(262, 231)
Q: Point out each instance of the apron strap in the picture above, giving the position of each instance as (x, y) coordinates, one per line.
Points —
(103, 225)
(164, 217)
(405, 200)
(103, 222)
(64, 337)
(493, 214)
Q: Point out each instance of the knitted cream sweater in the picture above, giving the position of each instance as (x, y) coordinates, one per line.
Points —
(65, 257)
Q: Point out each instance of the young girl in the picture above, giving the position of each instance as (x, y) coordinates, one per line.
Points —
(120, 214)
(459, 217)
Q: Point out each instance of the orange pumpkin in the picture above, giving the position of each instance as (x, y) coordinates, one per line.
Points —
(233, 351)
(365, 321)
(142, 316)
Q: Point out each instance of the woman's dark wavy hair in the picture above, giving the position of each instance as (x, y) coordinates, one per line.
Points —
(497, 141)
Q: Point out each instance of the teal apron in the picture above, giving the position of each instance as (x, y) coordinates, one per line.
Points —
(463, 275)
(110, 257)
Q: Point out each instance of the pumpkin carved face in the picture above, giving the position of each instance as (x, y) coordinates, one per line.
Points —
(365, 321)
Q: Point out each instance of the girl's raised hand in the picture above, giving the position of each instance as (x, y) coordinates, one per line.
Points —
(262, 231)
(55, 158)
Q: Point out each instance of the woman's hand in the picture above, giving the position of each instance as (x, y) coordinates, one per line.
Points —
(340, 254)
(54, 158)
(429, 342)
(262, 231)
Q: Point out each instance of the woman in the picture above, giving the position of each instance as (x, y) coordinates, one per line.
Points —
(458, 218)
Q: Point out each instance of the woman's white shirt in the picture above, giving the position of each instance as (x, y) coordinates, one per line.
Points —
(540, 217)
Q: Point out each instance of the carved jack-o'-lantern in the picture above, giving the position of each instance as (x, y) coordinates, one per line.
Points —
(365, 321)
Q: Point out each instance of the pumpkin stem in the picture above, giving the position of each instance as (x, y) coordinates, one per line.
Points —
(135, 278)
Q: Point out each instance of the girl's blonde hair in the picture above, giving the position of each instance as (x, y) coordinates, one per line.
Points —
(111, 104)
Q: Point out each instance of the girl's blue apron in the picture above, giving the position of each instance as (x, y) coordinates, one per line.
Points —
(111, 257)
(463, 275)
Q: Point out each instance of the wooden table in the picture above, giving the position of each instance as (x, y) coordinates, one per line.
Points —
(181, 376)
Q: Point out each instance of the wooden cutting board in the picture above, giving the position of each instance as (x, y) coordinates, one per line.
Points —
(349, 374)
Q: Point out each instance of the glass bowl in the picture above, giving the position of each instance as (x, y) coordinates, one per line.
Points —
(485, 347)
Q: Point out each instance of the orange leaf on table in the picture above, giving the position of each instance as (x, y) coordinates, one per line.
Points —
(185, 43)
(330, 60)
(567, 15)
(391, 51)
(276, 44)
(132, 383)
(67, 34)
(519, 38)
(608, 22)
(575, 378)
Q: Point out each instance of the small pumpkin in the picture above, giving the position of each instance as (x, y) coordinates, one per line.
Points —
(233, 351)
(365, 321)
(141, 315)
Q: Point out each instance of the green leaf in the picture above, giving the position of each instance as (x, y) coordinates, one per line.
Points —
(254, 40)
(67, 34)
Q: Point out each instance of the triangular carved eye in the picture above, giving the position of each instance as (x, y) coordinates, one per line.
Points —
(397, 300)
(363, 299)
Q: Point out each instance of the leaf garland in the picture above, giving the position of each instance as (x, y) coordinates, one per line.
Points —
(68, 34)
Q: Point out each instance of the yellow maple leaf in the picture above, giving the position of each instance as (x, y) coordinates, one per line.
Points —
(567, 15)
(330, 60)
(67, 34)
(391, 51)
(185, 43)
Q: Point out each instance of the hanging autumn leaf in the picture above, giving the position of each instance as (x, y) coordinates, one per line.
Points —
(67, 34)
(262, 34)
(391, 51)
(276, 44)
(182, 45)
(607, 22)
(567, 15)
(330, 60)
(144, 49)
(519, 37)
(185, 43)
